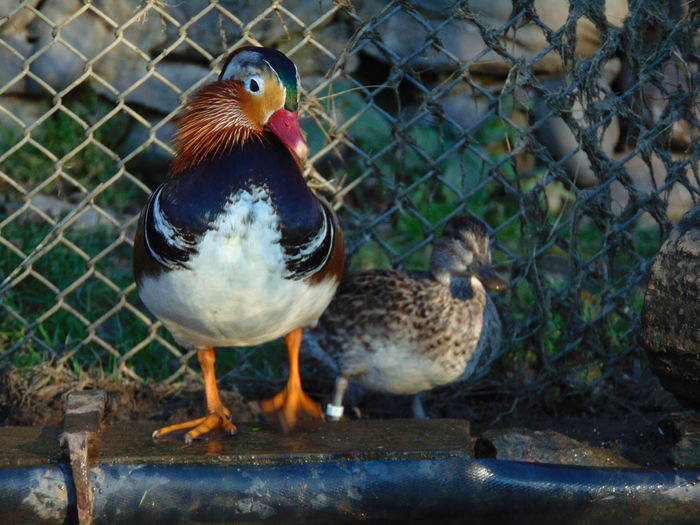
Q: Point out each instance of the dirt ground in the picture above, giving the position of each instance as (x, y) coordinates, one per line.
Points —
(634, 435)
(37, 398)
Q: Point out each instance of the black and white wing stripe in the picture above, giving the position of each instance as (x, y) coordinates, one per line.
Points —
(311, 255)
(167, 244)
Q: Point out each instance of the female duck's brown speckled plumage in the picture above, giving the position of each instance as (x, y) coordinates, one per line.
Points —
(402, 332)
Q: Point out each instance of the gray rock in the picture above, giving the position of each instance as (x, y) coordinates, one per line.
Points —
(12, 56)
(544, 446)
(153, 160)
(312, 62)
(677, 75)
(671, 313)
(27, 111)
(57, 209)
(143, 27)
(464, 105)
(19, 16)
(556, 135)
(685, 429)
(57, 64)
(406, 37)
(152, 93)
(647, 180)
(214, 32)
(218, 29)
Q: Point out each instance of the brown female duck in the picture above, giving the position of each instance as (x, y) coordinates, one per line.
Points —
(402, 332)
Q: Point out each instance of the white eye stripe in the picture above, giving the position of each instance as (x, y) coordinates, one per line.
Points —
(254, 84)
(242, 64)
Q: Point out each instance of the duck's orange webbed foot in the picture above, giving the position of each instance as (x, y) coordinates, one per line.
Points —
(292, 405)
(219, 416)
(200, 426)
(289, 407)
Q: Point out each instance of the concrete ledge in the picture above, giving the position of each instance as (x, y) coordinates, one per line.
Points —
(320, 441)
(29, 446)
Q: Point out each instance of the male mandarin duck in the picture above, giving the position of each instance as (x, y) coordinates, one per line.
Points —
(234, 249)
(405, 332)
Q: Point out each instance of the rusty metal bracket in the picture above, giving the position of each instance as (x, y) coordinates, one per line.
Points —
(82, 425)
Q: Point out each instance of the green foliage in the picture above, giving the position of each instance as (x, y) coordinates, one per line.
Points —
(428, 168)
(63, 156)
(66, 162)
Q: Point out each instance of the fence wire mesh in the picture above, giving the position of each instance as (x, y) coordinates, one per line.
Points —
(572, 129)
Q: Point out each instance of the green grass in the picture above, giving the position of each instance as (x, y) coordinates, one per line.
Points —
(84, 167)
(394, 173)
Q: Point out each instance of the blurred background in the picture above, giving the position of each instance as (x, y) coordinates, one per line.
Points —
(571, 129)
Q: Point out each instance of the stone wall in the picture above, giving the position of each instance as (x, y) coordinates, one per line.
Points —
(151, 59)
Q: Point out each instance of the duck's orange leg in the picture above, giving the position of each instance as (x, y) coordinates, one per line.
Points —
(219, 415)
(292, 404)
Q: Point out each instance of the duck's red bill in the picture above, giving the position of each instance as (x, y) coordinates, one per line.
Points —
(285, 124)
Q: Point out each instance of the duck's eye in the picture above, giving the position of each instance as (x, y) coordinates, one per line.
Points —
(254, 84)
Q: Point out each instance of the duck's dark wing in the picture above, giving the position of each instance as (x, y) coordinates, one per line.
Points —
(170, 245)
(308, 251)
(181, 211)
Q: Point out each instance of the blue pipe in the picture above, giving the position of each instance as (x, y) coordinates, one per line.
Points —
(394, 491)
(37, 495)
(454, 490)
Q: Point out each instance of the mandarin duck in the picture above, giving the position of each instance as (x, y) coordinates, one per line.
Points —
(234, 249)
(406, 332)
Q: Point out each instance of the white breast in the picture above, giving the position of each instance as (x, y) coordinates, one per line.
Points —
(234, 292)
(393, 368)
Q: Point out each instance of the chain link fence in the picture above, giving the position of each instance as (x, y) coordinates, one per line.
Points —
(571, 129)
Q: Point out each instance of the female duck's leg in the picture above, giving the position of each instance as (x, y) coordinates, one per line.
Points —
(292, 403)
(219, 415)
(334, 410)
(417, 407)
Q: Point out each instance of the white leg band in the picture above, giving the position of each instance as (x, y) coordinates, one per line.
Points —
(334, 411)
